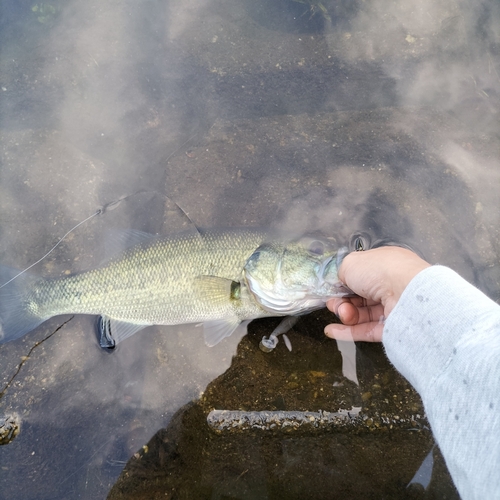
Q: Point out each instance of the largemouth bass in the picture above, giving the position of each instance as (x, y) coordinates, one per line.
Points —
(185, 278)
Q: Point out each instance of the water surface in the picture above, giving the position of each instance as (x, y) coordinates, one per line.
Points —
(380, 118)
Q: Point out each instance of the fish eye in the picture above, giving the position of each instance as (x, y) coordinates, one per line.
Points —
(316, 247)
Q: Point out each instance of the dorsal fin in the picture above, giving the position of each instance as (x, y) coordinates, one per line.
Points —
(119, 240)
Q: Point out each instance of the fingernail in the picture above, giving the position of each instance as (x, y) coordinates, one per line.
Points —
(329, 333)
(337, 310)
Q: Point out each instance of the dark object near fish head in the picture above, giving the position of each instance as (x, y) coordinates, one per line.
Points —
(363, 241)
(359, 242)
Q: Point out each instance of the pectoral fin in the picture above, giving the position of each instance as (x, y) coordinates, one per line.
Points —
(215, 331)
(219, 290)
(111, 331)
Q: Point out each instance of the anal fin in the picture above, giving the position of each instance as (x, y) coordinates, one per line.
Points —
(215, 331)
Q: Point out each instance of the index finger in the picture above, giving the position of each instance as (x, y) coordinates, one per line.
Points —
(364, 332)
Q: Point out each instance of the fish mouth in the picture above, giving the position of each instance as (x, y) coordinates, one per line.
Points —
(323, 271)
(328, 271)
(328, 279)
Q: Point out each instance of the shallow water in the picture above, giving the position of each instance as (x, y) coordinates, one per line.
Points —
(383, 119)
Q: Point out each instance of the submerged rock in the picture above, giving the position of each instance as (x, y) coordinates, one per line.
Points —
(9, 428)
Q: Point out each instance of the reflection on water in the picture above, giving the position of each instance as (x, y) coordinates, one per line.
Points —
(381, 120)
(292, 450)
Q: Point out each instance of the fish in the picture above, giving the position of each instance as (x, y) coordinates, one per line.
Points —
(214, 277)
(189, 277)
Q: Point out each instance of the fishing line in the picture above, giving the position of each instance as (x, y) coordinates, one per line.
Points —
(97, 212)
(181, 146)
(108, 206)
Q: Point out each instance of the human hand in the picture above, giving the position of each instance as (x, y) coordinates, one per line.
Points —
(379, 277)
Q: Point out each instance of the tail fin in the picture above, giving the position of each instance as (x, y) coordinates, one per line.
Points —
(15, 318)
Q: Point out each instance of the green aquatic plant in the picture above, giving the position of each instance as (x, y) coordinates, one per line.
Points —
(45, 12)
(315, 7)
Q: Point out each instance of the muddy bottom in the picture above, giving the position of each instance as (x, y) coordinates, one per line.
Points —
(375, 452)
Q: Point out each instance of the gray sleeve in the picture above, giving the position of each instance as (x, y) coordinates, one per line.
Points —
(444, 337)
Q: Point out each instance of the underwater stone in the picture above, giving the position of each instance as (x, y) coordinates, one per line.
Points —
(221, 421)
(9, 428)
